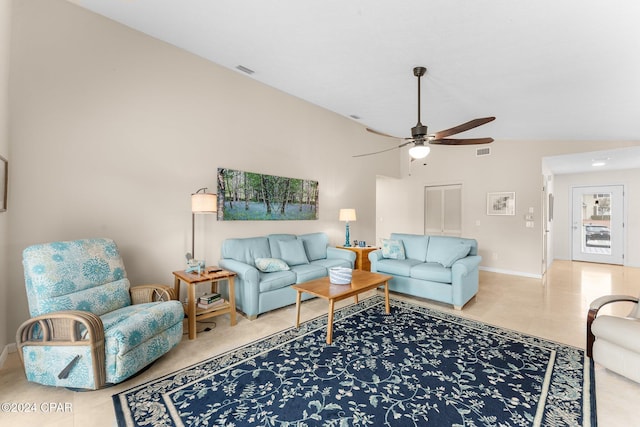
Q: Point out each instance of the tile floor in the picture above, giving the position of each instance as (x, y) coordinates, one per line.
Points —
(554, 308)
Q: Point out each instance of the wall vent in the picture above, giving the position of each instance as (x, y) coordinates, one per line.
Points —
(484, 151)
(245, 69)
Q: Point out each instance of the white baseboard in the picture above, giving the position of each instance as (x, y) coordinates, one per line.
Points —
(512, 273)
(9, 348)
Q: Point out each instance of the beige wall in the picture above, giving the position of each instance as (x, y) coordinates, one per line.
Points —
(504, 242)
(5, 37)
(112, 131)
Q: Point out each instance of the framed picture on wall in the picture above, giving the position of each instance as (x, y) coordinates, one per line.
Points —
(503, 203)
(4, 177)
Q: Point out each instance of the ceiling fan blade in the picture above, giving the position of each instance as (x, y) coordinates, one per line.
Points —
(468, 141)
(463, 127)
(383, 151)
(387, 135)
(375, 152)
(382, 134)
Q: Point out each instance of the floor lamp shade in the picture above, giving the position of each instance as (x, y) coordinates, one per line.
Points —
(204, 203)
(201, 203)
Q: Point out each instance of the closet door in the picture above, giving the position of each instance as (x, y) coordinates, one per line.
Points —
(443, 210)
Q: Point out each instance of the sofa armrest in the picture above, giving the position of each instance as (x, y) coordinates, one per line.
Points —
(151, 293)
(245, 272)
(247, 286)
(595, 307)
(68, 328)
(374, 257)
(345, 254)
(464, 266)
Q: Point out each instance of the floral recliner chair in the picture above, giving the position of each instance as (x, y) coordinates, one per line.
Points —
(88, 327)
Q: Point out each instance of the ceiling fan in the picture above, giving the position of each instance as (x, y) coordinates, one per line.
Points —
(419, 135)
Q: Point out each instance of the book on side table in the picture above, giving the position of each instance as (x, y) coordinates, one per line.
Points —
(210, 301)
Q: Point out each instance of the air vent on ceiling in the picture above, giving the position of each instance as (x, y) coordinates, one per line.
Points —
(484, 151)
(245, 69)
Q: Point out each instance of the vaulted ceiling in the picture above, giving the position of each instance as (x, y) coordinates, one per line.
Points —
(547, 69)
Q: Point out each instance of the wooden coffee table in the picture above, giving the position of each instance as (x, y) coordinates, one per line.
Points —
(361, 281)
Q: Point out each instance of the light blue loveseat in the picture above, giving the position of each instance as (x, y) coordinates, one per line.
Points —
(286, 259)
(441, 268)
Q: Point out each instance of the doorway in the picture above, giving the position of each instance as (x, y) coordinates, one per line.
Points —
(598, 224)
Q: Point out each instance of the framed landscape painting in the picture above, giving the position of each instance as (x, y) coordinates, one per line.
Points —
(4, 178)
(246, 196)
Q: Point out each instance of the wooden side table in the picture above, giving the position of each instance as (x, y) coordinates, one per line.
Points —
(362, 256)
(193, 312)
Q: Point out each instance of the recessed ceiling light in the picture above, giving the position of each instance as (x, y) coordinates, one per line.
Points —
(353, 116)
(599, 162)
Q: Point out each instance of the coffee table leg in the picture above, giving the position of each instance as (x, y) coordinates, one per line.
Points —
(298, 299)
(386, 298)
(330, 322)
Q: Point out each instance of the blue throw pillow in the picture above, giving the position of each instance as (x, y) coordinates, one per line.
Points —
(392, 249)
(292, 252)
(459, 252)
(269, 265)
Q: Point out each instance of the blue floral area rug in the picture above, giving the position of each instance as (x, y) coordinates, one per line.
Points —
(413, 367)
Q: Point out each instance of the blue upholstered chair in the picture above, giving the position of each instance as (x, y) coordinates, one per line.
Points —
(88, 327)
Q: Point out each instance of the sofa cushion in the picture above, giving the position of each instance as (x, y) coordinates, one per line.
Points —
(392, 249)
(447, 250)
(461, 251)
(332, 262)
(99, 300)
(431, 271)
(415, 245)
(269, 265)
(126, 328)
(397, 267)
(292, 252)
(274, 243)
(315, 245)
(276, 280)
(306, 272)
(246, 250)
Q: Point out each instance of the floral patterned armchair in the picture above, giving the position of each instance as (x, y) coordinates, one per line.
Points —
(88, 327)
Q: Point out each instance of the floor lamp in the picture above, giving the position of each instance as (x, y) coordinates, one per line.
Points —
(201, 203)
(347, 215)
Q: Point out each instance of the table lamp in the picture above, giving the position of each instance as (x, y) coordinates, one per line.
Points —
(347, 215)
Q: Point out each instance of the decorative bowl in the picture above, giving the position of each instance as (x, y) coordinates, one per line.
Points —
(340, 275)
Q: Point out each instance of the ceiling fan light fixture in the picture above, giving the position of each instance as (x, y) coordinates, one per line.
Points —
(419, 151)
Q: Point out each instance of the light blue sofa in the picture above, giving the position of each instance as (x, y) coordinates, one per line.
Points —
(306, 257)
(441, 268)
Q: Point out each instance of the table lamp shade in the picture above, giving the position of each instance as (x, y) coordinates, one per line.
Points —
(347, 215)
(204, 203)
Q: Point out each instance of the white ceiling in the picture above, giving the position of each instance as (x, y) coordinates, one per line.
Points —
(547, 69)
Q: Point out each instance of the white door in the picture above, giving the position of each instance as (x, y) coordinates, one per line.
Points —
(598, 224)
(443, 210)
